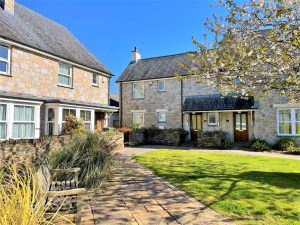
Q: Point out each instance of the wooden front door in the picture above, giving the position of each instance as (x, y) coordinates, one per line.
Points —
(240, 125)
(99, 121)
(196, 125)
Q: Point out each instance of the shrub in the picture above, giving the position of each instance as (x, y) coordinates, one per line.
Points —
(225, 143)
(73, 125)
(183, 136)
(19, 198)
(214, 139)
(92, 154)
(259, 145)
(286, 144)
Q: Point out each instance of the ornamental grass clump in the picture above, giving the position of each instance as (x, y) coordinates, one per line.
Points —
(90, 152)
(20, 198)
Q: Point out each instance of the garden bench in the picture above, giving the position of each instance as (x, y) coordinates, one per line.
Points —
(57, 194)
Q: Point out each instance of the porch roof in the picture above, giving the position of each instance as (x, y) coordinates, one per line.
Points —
(218, 102)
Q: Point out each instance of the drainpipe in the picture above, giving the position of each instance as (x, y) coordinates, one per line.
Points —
(120, 105)
(181, 101)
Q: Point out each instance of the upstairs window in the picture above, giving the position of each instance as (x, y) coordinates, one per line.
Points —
(4, 60)
(65, 75)
(95, 80)
(288, 122)
(138, 90)
(161, 85)
(3, 123)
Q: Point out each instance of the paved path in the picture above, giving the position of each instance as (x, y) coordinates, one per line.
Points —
(142, 149)
(136, 196)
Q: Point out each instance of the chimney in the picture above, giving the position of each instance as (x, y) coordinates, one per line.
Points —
(135, 55)
(8, 5)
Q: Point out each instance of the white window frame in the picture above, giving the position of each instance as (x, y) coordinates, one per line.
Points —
(84, 120)
(4, 121)
(158, 117)
(66, 75)
(161, 90)
(97, 80)
(133, 90)
(138, 113)
(6, 61)
(216, 116)
(53, 122)
(24, 122)
(62, 113)
(293, 122)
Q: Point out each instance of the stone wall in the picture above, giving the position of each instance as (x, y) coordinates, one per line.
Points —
(37, 75)
(211, 139)
(35, 150)
(136, 137)
(169, 137)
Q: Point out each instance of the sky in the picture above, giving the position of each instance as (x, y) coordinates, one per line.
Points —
(110, 29)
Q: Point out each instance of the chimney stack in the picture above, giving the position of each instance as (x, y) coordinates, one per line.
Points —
(8, 5)
(135, 55)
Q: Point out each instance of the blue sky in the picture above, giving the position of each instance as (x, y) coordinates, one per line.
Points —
(110, 29)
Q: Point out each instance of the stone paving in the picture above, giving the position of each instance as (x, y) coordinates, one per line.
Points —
(136, 196)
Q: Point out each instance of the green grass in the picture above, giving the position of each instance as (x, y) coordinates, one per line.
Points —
(251, 190)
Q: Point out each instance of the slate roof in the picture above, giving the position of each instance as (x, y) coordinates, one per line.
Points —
(13, 95)
(218, 103)
(31, 29)
(156, 67)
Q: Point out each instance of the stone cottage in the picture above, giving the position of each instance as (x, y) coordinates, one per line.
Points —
(45, 75)
(150, 94)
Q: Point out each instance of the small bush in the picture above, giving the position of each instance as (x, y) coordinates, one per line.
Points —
(73, 125)
(259, 145)
(286, 144)
(92, 154)
(183, 136)
(20, 201)
(225, 143)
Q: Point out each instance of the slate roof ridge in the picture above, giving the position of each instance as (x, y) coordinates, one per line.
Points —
(170, 55)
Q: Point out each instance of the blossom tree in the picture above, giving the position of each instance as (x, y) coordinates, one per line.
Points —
(256, 47)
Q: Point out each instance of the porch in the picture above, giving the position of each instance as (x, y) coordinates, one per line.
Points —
(232, 114)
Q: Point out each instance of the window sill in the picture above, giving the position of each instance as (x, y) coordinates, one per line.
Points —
(65, 86)
(138, 98)
(95, 85)
(288, 135)
(161, 91)
(5, 74)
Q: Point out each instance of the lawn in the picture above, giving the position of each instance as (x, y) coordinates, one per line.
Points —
(249, 189)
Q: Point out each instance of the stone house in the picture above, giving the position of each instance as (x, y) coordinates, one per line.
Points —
(45, 75)
(114, 118)
(150, 94)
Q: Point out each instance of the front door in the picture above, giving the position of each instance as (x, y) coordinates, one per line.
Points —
(196, 125)
(99, 121)
(241, 127)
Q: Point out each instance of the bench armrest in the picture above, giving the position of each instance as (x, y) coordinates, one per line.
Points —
(70, 170)
(77, 191)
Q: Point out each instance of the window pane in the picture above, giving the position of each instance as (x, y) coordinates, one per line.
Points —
(23, 130)
(88, 116)
(285, 128)
(297, 115)
(82, 115)
(284, 115)
(50, 114)
(65, 80)
(138, 90)
(244, 122)
(65, 114)
(237, 121)
(95, 79)
(23, 113)
(2, 130)
(64, 69)
(161, 117)
(138, 118)
(73, 112)
(297, 128)
(212, 118)
(3, 112)
(161, 85)
(3, 66)
(3, 52)
(50, 128)
(87, 126)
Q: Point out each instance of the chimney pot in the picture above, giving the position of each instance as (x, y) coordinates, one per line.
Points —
(8, 5)
(135, 55)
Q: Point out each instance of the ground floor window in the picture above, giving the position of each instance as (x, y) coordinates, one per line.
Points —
(161, 117)
(23, 125)
(86, 116)
(288, 122)
(3, 122)
(66, 113)
(212, 118)
(138, 119)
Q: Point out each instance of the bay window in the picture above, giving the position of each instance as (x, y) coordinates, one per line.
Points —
(51, 121)
(4, 60)
(3, 122)
(65, 75)
(86, 117)
(138, 90)
(66, 113)
(23, 123)
(288, 122)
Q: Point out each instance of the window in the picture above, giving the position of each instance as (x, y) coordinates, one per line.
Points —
(161, 85)
(288, 122)
(138, 90)
(51, 117)
(67, 112)
(212, 118)
(95, 80)
(65, 75)
(161, 117)
(23, 125)
(138, 118)
(4, 60)
(86, 117)
(3, 124)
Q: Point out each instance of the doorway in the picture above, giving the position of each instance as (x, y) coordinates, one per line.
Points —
(240, 127)
(196, 125)
(99, 121)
